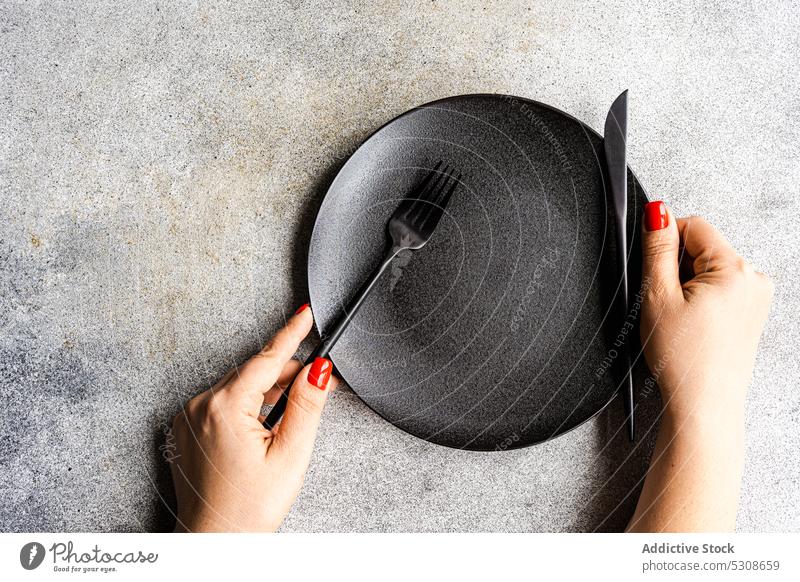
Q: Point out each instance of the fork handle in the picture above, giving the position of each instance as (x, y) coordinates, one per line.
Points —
(327, 341)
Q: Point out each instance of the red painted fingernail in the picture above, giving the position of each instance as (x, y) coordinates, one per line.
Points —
(302, 308)
(655, 216)
(320, 373)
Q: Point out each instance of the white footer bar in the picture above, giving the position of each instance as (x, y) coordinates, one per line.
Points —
(379, 557)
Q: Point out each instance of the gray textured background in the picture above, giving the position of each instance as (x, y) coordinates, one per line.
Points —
(161, 165)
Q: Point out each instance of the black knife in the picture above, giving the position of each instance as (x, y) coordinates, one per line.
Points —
(614, 138)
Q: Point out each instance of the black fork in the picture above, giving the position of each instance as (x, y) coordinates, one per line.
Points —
(410, 227)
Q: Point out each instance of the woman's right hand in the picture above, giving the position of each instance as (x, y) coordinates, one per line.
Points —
(700, 335)
(703, 312)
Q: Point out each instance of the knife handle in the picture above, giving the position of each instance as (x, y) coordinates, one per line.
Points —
(627, 380)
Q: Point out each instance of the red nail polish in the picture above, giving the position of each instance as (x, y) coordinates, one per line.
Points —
(655, 216)
(302, 308)
(320, 373)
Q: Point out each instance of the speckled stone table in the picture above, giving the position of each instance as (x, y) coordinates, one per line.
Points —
(161, 166)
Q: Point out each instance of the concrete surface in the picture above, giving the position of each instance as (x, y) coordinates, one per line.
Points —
(161, 164)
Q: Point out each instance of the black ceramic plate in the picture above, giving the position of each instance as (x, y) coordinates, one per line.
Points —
(499, 333)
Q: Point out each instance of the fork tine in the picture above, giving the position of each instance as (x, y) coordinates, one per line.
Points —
(437, 204)
(445, 199)
(425, 197)
(429, 204)
(430, 174)
(407, 204)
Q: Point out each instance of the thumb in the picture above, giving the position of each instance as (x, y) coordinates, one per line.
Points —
(660, 245)
(295, 436)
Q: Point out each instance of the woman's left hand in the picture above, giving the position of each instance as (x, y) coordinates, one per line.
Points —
(232, 474)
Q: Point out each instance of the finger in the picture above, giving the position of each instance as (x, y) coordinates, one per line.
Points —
(274, 393)
(290, 370)
(686, 267)
(225, 379)
(767, 287)
(768, 284)
(711, 251)
(660, 264)
(260, 372)
(295, 436)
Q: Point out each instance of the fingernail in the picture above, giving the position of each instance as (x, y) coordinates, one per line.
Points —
(302, 308)
(320, 373)
(655, 216)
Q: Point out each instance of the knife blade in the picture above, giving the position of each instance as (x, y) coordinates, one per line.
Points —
(614, 142)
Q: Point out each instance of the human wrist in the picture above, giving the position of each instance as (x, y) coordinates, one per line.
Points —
(718, 427)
